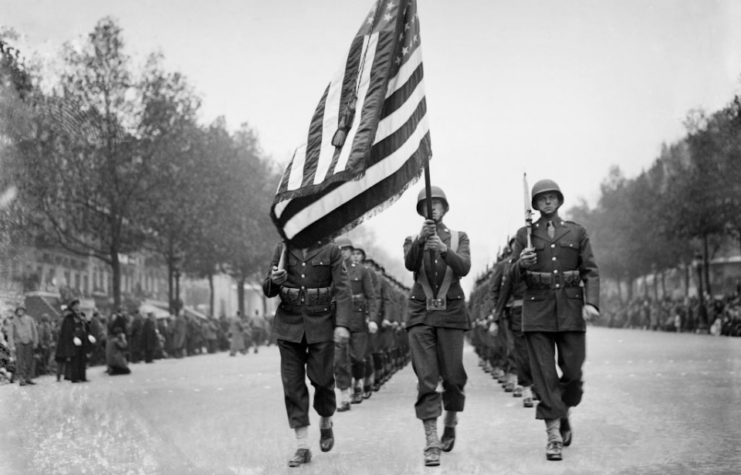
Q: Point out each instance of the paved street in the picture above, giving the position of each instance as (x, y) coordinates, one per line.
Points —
(654, 403)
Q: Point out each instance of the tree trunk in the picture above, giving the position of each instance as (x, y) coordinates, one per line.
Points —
(116, 278)
(240, 294)
(170, 286)
(706, 259)
(663, 284)
(620, 290)
(645, 286)
(656, 286)
(211, 295)
(631, 281)
(687, 280)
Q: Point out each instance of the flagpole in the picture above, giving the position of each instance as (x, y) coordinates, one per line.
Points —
(282, 261)
(428, 191)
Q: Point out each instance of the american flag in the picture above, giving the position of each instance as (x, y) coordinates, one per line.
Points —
(328, 189)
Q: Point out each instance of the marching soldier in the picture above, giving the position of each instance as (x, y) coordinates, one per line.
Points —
(349, 361)
(314, 279)
(561, 296)
(437, 321)
(358, 259)
(509, 309)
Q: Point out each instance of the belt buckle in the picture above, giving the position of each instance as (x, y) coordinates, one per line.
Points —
(436, 304)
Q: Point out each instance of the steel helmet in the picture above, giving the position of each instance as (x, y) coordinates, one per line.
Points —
(545, 186)
(343, 242)
(361, 250)
(435, 192)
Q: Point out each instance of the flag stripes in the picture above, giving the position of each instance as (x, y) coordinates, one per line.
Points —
(327, 190)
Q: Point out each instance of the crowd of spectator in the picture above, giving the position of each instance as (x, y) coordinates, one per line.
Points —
(31, 346)
(717, 315)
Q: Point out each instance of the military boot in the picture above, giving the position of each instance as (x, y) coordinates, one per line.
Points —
(432, 445)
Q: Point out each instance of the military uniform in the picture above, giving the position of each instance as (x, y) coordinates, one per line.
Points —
(350, 358)
(557, 287)
(436, 336)
(304, 325)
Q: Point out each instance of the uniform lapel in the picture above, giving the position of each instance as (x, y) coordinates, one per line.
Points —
(561, 230)
(313, 251)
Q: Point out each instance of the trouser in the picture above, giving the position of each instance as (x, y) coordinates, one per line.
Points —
(438, 353)
(349, 359)
(24, 361)
(369, 350)
(522, 359)
(149, 355)
(556, 394)
(298, 360)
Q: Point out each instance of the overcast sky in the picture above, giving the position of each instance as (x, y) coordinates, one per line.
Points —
(559, 89)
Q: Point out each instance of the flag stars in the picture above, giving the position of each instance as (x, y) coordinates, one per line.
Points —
(388, 17)
(390, 6)
(397, 60)
(404, 51)
(370, 20)
(416, 39)
(401, 36)
(406, 26)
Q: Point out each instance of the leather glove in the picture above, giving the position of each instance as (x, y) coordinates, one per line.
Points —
(278, 276)
(528, 258)
(77, 341)
(341, 335)
(372, 328)
(589, 313)
(428, 229)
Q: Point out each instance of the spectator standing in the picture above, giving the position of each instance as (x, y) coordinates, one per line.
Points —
(149, 338)
(23, 338)
(73, 344)
(45, 340)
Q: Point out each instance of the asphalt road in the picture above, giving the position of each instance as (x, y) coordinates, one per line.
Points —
(654, 403)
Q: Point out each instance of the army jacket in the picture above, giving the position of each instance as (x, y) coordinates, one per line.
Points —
(364, 305)
(563, 279)
(456, 313)
(321, 268)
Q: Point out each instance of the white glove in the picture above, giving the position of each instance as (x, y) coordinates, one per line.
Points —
(372, 327)
(493, 329)
(77, 341)
(589, 313)
(385, 323)
(341, 335)
(92, 339)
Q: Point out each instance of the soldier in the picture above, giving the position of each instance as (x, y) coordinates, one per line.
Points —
(349, 359)
(305, 328)
(437, 321)
(358, 258)
(561, 296)
(509, 309)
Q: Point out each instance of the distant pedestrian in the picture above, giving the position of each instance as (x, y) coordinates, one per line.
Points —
(236, 335)
(149, 339)
(45, 344)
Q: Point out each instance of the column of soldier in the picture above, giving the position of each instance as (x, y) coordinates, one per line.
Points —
(535, 302)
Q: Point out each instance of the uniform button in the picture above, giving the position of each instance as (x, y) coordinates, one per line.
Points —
(555, 271)
(303, 264)
(558, 286)
(303, 288)
(303, 276)
(435, 261)
(553, 258)
(302, 300)
(553, 245)
(320, 262)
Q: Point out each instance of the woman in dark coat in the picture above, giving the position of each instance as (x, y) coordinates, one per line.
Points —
(74, 342)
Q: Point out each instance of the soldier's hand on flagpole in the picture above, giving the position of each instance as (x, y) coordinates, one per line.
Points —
(341, 335)
(589, 313)
(278, 276)
(436, 244)
(428, 229)
(528, 258)
(372, 328)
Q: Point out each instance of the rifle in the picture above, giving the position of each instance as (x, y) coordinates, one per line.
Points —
(528, 212)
